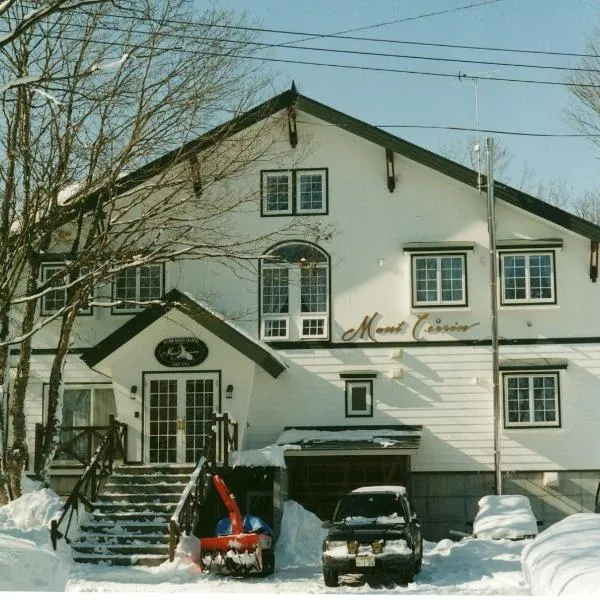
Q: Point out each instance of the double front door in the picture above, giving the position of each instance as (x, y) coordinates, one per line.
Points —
(179, 412)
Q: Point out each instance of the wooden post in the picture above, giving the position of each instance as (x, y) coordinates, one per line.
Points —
(39, 442)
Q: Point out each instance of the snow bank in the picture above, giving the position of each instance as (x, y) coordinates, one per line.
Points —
(508, 517)
(301, 539)
(565, 558)
(27, 560)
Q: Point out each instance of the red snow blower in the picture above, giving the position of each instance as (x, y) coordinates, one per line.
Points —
(242, 546)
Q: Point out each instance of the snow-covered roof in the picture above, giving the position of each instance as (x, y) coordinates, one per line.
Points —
(211, 320)
(380, 489)
(504, 517)
(389, 437)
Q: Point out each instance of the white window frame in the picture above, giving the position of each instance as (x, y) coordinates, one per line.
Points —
(310, 172)
(264, 186)
(294, 182)
(439, 257)
(294, 316)
(530, 376)
(528, 299)
(119, 309)
(44, 268)
(352, 384)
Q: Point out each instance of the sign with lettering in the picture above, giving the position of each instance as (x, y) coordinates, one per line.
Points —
(181, 352)
(423, 326)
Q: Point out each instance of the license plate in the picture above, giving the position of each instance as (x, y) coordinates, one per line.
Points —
(365, 561)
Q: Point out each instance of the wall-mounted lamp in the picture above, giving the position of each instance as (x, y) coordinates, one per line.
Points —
(229, 392)
(132, 392)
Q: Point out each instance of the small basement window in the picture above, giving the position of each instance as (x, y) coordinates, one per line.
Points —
(359, 398)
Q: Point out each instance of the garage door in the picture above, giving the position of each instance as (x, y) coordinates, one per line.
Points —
(317, 482)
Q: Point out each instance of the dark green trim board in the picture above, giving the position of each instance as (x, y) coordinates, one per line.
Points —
(359, 374)
(529, 244)
(204, 317)
(416, 247)
(533, 364)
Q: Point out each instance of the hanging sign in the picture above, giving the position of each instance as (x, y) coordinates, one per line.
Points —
(181, 352)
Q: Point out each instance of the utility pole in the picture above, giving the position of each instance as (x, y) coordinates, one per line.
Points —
(491, 217)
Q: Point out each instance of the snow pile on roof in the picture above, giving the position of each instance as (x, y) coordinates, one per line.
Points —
(381, 489)
(507, 517)
(27, 560)
(301, 539)
(565, 558)
(381, 436)
(269, 456)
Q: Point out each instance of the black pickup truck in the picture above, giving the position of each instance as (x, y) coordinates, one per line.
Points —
(374, 530)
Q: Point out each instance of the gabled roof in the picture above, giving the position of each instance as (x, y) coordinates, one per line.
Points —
(291, 98)
(212, 321)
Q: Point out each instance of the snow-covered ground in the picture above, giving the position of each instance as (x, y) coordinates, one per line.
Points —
(28, 563)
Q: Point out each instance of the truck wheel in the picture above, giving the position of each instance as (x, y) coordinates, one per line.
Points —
(419, 561)
(330, 577)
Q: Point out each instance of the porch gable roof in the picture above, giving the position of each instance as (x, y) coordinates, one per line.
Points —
(211, 320)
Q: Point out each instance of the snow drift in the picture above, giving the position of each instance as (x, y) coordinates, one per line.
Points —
(27, 560)
(301, 538)
(565, 558)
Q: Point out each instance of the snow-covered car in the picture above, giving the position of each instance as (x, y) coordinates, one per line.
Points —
(373, 530)
(565, 558)
(505, 517)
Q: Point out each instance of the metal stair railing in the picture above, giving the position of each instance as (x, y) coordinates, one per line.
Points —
(112, 446)
(221, 441)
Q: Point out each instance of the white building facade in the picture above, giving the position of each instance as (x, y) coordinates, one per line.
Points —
(368, 351)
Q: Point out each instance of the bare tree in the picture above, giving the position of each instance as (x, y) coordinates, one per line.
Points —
(92, 100)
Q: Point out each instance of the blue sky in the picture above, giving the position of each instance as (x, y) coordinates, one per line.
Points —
(397, 98)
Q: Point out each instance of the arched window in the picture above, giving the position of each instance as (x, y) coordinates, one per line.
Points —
(294, 295)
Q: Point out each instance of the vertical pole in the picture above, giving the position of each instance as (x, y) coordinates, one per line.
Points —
(491, 217)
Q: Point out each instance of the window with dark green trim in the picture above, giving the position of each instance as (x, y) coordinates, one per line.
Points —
(134, 287)
(359, 398)
(295, 191)
(56, 276)
(439, 279)
(528, 277)
(531, 399)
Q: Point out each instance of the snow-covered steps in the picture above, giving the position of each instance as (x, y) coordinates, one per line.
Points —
(129, 523)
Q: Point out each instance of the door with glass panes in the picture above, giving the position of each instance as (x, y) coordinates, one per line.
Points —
(179, 412)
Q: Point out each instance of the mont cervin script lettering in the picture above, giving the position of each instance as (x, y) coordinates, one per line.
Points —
(369, 330)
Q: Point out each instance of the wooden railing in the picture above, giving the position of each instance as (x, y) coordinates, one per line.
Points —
(222, 440)
(112, 447)
(76, 445)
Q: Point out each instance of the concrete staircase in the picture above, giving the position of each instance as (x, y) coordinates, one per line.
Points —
(129, 523)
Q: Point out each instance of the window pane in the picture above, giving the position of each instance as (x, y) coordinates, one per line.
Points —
(515, 285)
(54, 300)
(150, 282)
(313, 289)
(451, 279)
(277, 193)
(359, 398)
(310, 191)
(426, 279)
(275, 291)
(540, 274)
(125, 287)
(275, 328)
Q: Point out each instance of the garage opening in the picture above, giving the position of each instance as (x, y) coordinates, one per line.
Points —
(317, 482)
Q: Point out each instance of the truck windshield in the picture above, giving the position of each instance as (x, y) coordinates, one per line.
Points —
(370, 506)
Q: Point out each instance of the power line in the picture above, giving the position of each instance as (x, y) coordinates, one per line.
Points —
(473, 129)
(265, 45)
